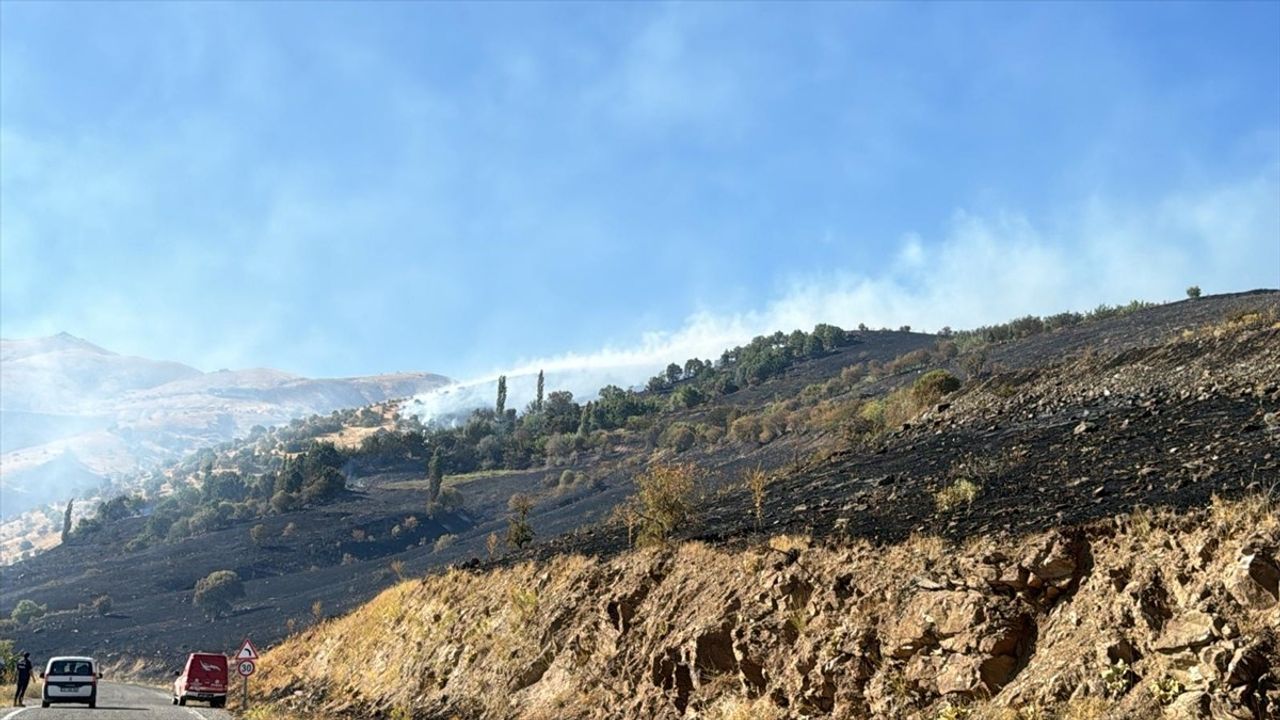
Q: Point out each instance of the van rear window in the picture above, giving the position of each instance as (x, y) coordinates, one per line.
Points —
(70, 667)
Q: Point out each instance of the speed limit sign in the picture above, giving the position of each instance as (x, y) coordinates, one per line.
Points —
(245, 668)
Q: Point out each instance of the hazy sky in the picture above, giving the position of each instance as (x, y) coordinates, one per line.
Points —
(340, 189)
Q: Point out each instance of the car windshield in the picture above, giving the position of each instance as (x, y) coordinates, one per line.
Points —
(70, 667)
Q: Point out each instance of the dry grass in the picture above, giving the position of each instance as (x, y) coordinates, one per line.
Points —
(757, 481)
(735, 708)
(789, 543)
(961, 492)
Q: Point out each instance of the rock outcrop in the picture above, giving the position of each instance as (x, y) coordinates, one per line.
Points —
(1149, 615)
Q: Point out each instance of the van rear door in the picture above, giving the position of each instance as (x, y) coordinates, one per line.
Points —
(206, 673)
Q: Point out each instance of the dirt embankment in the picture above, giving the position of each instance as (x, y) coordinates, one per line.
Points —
(1141, 615)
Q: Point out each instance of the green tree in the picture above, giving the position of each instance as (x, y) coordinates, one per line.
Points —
(501, 406)
(9, 661)
(26, 611)
(216, 592)
(519, 532)
(1193, 292)
(537, 403)
(693, 367)
(66, 521)
(435, 477)
(674, 373)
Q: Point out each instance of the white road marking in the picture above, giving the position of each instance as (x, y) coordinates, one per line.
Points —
(15, 712)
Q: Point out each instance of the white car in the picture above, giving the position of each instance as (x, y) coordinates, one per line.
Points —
(70, 680)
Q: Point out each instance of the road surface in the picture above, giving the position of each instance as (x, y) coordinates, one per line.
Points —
(115, 702)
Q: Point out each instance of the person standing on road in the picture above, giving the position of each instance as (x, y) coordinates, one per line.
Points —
(23, 667)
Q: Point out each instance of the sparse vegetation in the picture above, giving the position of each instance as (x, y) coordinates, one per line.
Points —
(258, 534)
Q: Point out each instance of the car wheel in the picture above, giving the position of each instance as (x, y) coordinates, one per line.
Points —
(182, 701)
(44, 704)
(174, 699)
(220, 702)
(93, 704)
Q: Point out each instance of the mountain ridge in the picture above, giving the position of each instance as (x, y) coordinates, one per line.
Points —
(115, 414)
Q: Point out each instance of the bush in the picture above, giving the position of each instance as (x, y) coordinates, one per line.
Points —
(444, 542)
(283, 502)
(933, 385)
(679, 437)
(27, 610)
(216, 592)
(663, 501)
(258, 534)
(102, 605)
(1193, 292)
(962, 491)
(745, 429)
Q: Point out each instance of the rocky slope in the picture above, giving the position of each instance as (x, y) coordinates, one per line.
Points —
(1142, 615)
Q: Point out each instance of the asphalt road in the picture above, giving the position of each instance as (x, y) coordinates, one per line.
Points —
(115, 702)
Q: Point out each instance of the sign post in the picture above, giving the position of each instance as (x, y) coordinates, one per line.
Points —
(246, 657)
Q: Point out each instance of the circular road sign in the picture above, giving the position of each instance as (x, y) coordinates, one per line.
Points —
(245, 668)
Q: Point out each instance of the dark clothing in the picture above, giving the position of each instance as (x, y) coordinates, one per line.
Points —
(24, 678)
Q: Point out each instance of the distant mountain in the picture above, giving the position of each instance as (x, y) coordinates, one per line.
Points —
(67, 403)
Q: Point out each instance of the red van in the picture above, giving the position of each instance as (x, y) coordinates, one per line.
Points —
(204, 679)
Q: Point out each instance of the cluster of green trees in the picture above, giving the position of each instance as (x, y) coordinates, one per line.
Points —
(764, 357)
(1033, 325)
(215, 496)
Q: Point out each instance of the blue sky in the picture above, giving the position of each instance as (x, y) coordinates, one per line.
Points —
(339, 189)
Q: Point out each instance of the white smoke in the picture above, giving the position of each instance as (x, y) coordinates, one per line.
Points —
(985, 270)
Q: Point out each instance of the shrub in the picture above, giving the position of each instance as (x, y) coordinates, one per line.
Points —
(444, 542)
(963, 491)
(27, 610)
(217, 591)
(558, 446)
(933, 385)
(102, 605)
(1193, 292)
(899, 407)
(663, 501)
(258, 534)
(679, 437)
(289, 530)
(283, 502)
(745, 429)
